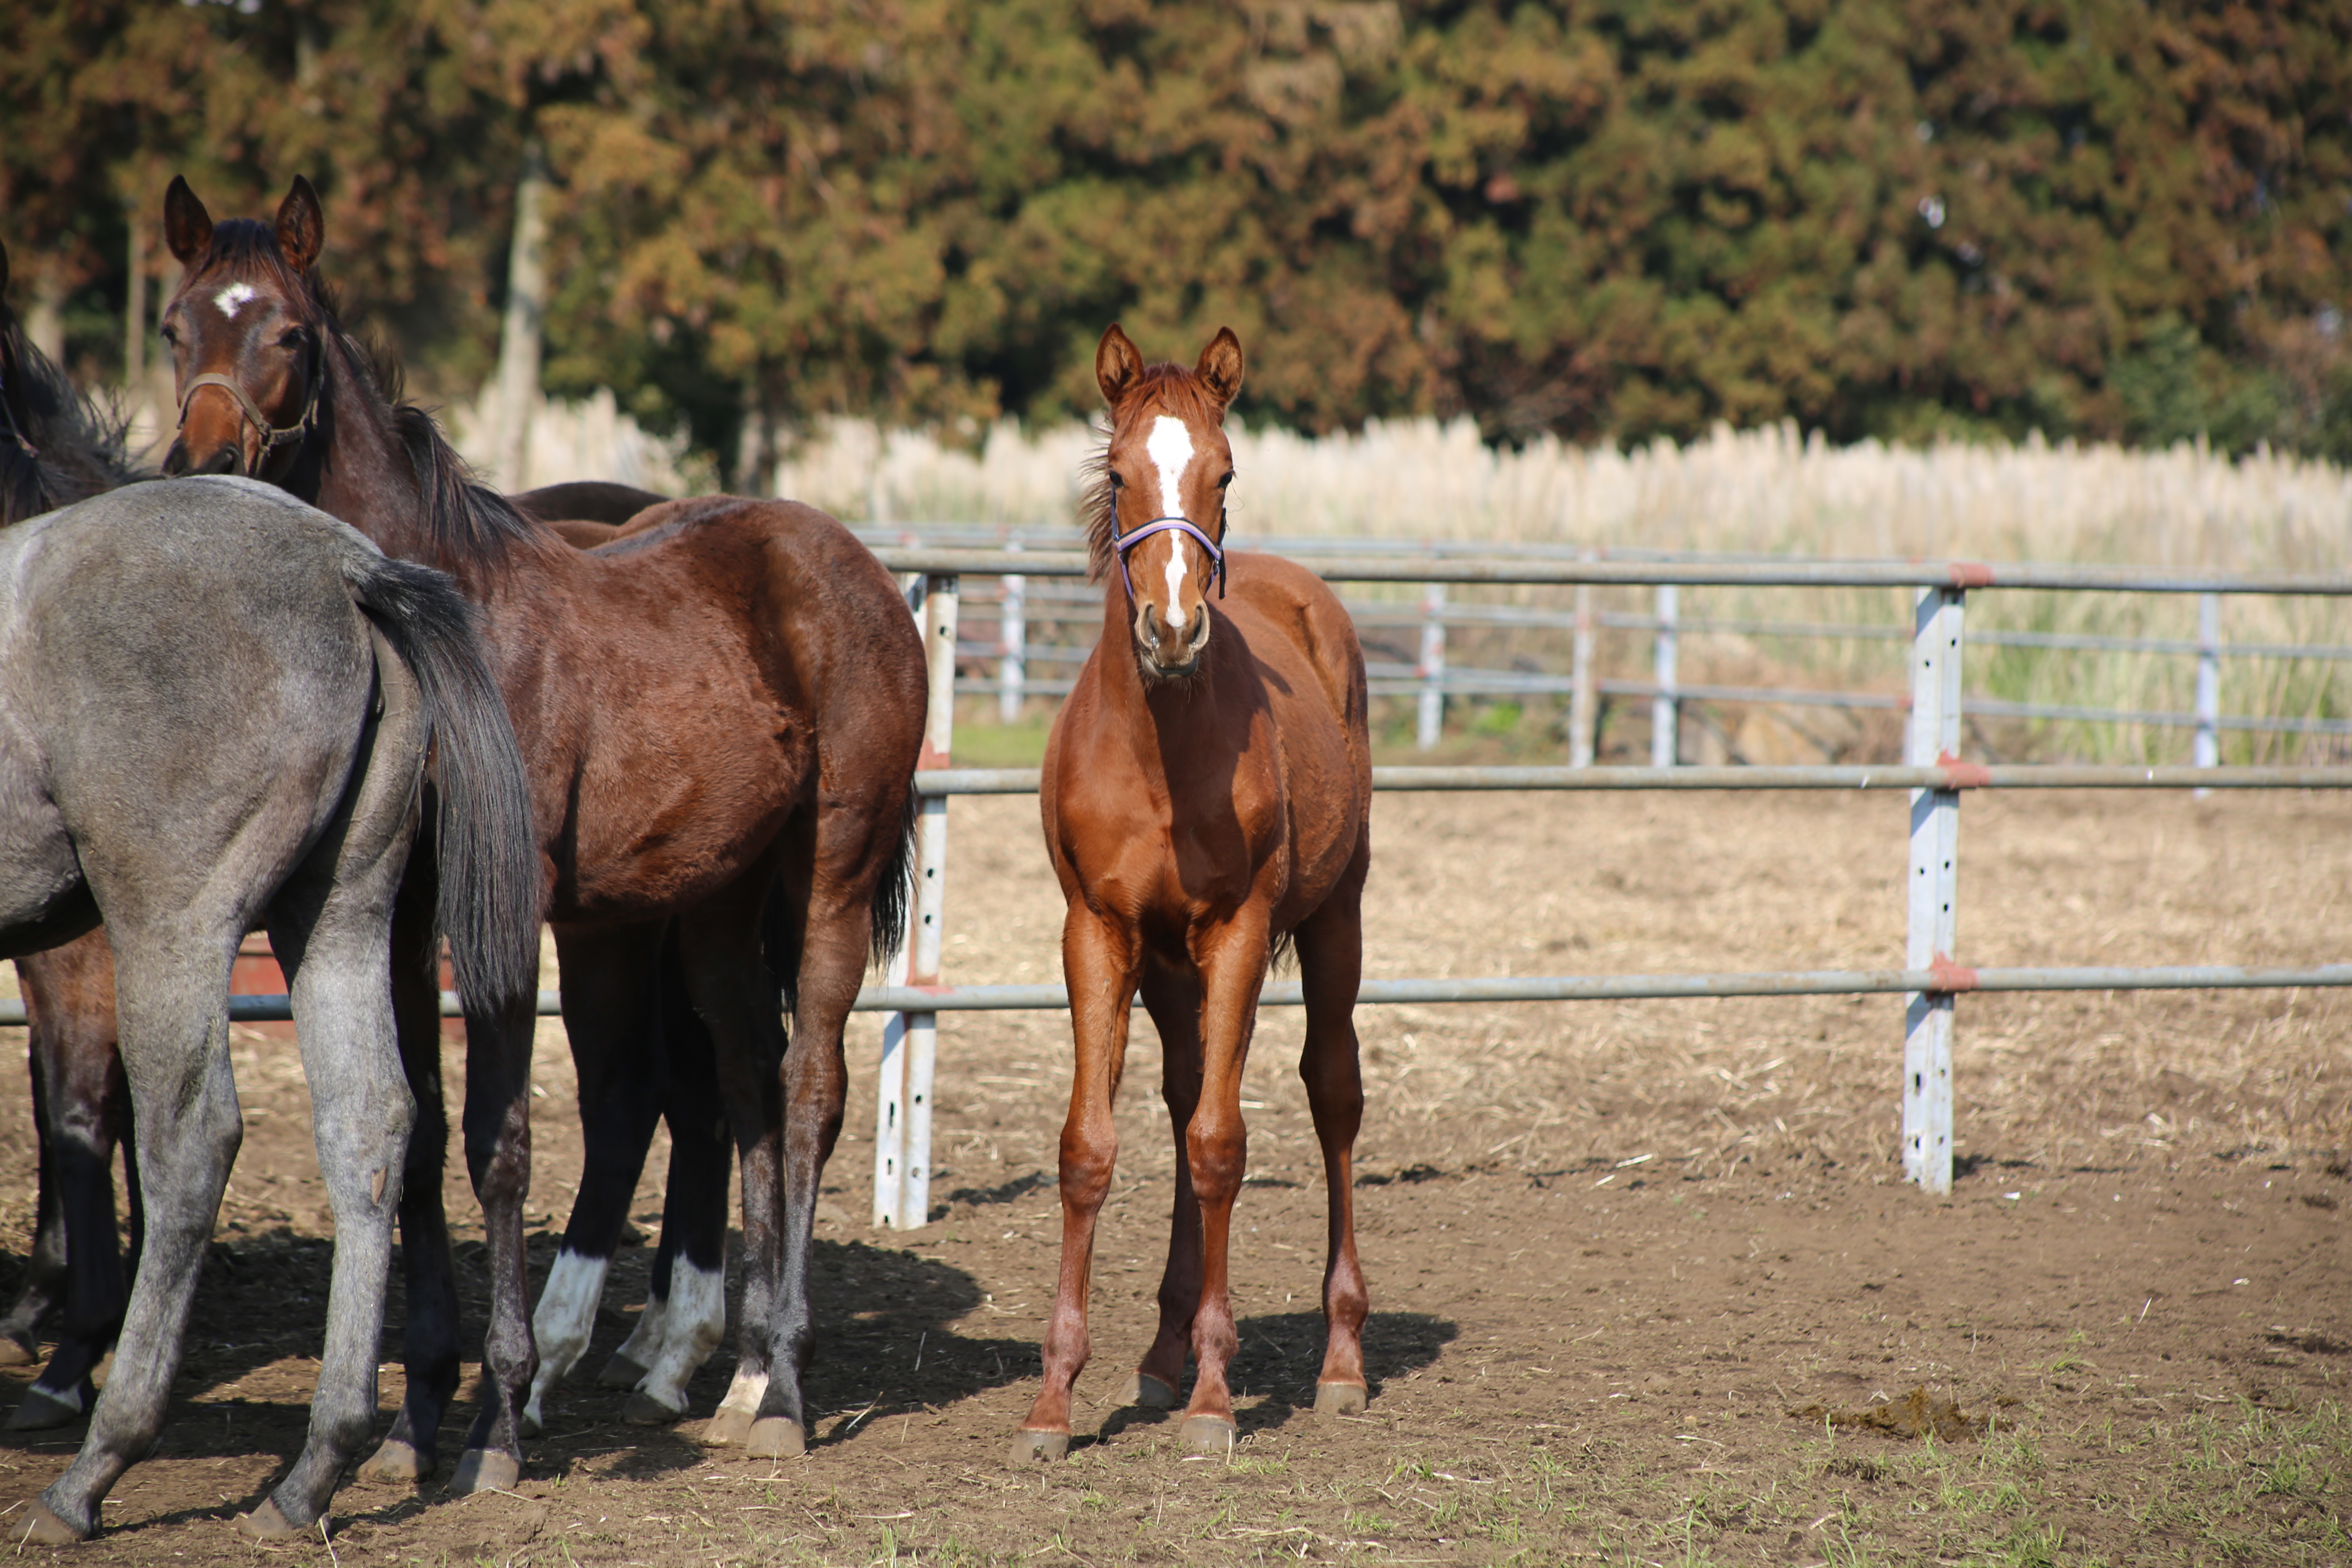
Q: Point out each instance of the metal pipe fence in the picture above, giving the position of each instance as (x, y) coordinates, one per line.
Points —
(1932, 774)
(913, 995)
(1432, 679)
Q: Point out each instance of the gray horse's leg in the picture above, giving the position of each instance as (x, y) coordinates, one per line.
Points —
(172, 994)
(361, 1117)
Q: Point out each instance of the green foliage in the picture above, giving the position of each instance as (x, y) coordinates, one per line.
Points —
(1901, 219)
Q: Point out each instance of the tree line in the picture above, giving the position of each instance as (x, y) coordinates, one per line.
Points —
(1623, 219)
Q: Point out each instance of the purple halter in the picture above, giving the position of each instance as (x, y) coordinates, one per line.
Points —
(1125, 542)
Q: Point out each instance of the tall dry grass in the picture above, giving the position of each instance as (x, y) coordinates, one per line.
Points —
(1768, 491)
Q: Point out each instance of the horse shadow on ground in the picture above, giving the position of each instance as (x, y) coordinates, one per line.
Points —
(1282, 1353)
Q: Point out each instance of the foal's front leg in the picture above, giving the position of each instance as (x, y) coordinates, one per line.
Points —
(1100, 960)
(1216, 1148)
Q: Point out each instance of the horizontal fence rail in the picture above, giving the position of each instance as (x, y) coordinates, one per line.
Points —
(1955, 775)
(1945, 981)
(1959, 576)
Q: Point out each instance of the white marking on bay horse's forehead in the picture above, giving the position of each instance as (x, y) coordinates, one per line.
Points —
(230, 298)
(1170, 451)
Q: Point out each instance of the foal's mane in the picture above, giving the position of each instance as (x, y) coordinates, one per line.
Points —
(459, 522)
(1173, 387)
(57, 446)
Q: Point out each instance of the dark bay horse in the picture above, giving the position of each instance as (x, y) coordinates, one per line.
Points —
(1207, 796)
(56, 448)
(721, 714)
(220, 703)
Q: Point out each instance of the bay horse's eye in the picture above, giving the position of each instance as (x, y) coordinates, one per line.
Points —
(293, 337)
(170, 334)
(1226, 480)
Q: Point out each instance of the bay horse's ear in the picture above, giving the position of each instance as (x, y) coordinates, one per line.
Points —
(1117, 365)
(187, 228)
(1220, 369)
(302, 226)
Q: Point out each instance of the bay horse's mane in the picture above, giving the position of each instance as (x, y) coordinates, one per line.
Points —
(56, 446)
(461, 522)
(1178, 389)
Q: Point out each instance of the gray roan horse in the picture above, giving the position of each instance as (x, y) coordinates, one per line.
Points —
(216, 706)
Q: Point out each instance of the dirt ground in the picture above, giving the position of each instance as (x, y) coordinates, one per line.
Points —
(1614, 1251)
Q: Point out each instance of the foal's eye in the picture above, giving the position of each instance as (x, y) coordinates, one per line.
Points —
(293, 337)
(1226, 480)
(171, 335)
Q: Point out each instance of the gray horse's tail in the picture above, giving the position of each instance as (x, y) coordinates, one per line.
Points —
(489, 855)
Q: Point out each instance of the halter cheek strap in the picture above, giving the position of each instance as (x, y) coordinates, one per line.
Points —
(1128, 541)
(272, 435)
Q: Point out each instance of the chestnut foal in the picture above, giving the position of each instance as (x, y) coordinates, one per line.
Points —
(1207, 795)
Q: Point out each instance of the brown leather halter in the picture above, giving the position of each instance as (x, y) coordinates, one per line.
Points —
(272, 435)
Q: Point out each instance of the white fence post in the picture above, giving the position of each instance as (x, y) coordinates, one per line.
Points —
(1934, 888)
(902, 1124)
(2209, 682)
(1666, 707)
(1432, 667)
(1583, 723)
(1012, 645)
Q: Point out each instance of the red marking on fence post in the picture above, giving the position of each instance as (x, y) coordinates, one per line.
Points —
(1950, 978)
(1958, 775)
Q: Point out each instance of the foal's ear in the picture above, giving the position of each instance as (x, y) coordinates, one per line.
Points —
(187, 228)
(1220, 369)
(1117, 365)
(302, 226)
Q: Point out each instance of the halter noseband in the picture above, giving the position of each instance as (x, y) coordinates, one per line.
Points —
(272, 435)
(1123, 542)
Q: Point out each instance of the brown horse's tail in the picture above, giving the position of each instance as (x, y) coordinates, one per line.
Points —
(896, 884)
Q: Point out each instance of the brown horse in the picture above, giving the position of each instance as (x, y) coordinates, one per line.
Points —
(722, 714)
(56, 449)
(1207, 797)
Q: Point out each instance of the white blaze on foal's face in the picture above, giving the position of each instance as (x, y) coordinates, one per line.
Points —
(1170, 451)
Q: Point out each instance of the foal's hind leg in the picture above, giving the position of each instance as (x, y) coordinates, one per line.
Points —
(685, 1317)
(1172, 998)
(173, 991)
(429, 1348)
(1331, 945)
(608, 1013)
(331, 926)
(84, 1110)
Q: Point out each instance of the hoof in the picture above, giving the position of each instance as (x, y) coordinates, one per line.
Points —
(42, 1527)
(1148, 1393)
(644, 1410)
(621, 1372)
(395, 1464)
(486, 1470)
(1340, 1398)
(42, 1410)
(267, 1522)
(528, 1424)
(728, 1429)
(14, 1352)
(1209, 1434)
(1033, 1447)
(776, 1438)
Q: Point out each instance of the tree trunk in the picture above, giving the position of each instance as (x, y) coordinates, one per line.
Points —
(45, 323)
(516, 390)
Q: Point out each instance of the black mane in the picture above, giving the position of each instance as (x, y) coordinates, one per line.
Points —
(57, 446)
